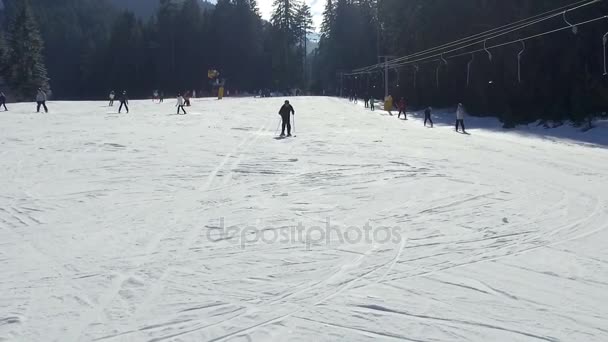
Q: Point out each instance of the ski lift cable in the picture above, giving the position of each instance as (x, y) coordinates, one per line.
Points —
(491, 34)
(586, 22)
(435, 58)
(531, 20)
(503, 30)
(456, 47)
(503, 33)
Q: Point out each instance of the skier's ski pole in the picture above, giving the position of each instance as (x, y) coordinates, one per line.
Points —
(294, 125)
(278, 126)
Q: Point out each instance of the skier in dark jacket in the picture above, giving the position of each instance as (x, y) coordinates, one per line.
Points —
(401, 106)
(284, 113)
(427, 116)
(3, 101)
(124, 101)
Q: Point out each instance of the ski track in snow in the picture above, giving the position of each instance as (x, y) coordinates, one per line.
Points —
(109, 227)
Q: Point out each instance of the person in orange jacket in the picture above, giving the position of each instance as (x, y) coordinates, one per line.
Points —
(388, 104)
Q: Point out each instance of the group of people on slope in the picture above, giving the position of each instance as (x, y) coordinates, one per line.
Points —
(40, 101)
(124, 100)
(401, 106)
(369, 101)
(389, 105)
(158, 96)
(187, 95)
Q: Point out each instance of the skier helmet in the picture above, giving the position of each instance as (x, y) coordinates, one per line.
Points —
(286, 101)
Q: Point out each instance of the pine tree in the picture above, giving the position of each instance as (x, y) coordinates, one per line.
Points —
(242, 71)
(304, 23)
(27, 69)
(190, 54)
(168, 23)
(253, 5)
(4, 54)
(283, 17)
(125, 53)
(324, 59)
(329, 16)
(285, 31)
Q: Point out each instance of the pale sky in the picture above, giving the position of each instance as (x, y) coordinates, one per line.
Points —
(317, 7)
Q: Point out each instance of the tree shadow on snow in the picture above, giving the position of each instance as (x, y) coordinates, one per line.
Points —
(597, 136)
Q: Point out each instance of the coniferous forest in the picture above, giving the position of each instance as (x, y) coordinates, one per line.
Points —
(82, 49)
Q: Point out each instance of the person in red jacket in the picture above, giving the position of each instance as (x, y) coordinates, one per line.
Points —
(402, 109)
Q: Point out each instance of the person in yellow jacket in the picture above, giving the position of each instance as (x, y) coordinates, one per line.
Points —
(388, 104)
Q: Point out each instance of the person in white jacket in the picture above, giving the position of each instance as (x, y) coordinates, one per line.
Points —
(111, 97)
(41, 100)
(180, 103)
(460, 118)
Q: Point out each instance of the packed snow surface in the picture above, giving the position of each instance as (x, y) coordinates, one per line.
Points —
(151, 226)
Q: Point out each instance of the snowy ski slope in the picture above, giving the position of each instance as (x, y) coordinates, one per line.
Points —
(111, 227)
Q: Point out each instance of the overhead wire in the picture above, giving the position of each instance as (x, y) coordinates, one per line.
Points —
(487, 35)
(434, 58)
